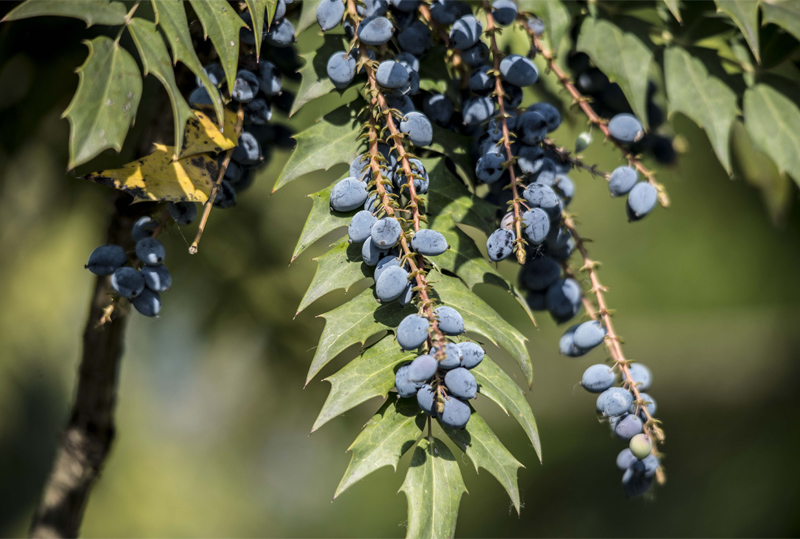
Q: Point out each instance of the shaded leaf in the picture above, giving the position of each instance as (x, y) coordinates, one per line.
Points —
(203, 136)
(90, 11)
(434, 487)
(486, 451)
(171, 17)
(105, 103)
(222, 24)
(745, 14)
(331, 141)
(354, 323)
(621, 56)
(674, 8)
(321, 220)
(385, 439)
(480, 318)
(158, 177)
(308, 15)
(369, 375)
(454, 146)
(315, 81)
(498, 386)
(773, 122)
(156, 60)
(257, 8)
(272, 6)
(706, 100)
(447, 195)
(554, 14)
(339, 267)
(784, 13)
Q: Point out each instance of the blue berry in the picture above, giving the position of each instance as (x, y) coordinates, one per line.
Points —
(536, 301)
(531, 128)
(590, 334)
(566, 344)
(450, 320)
(226, 197)
(622, 180)
(341, 69)
(412, 332)
(641, 200)
(625, 128)
(426, 399)
(183, 213)
(461, 383)
(258, 111)
(157, 278)
(452, 356)
(371, 254)
(329, 14)
(641, 375)
(143, 228)
(147, 303)
(386, 232)
(281, 34)
(649, 404)
(625, 459)
(215, 74)
(408, 60)
(423, 368)
(245, 87)
(375, 30)
(480, 81)
(466, 32)
(415, 39)
(504, 12)
(500, 244)
(615, 401)
(539, 273)
(107, 259)
(372, 8)
(445, 12)
(489, 168)
(348, 195)
(529, 157)
(391, 283)
(361, 226)
(150, 251)
(127, 282)
(384, 264)
(429, 242)
(438, 108)
(564, 299)
(628, 427)
(405, 387)
(543, 196)
(418, 128)
(518, 70)
(477, 55)
(471, 354)
(550, 113)
(270, 80)
(455, 414)
(478, 110)
(248, 150)
(537, 225)
(391, 74)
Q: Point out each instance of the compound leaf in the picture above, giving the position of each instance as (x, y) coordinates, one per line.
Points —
(331, 141)
(449, 196)
(158, 176)
(773, 122)
(90, 11)
(315, 81)
(745, 14)
(354, 322)
(369, 375)
(222, 24)
(498, 386)
(434, 487)
(104, 106)
(620, 55)
(321, 220)
(705, 99)
(339, 267)
(171, 17)
(155, 59)
(486, 451)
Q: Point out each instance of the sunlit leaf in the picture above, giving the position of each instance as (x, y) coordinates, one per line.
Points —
(784, 13)
(90, 11)
(745, 14)
(554, 14)
(315, 81)
(773, 122)
(339, 267)
(203, 136)
(257, 8)
(308, 15)
(222, 24)
(321, 220)
(454, 146)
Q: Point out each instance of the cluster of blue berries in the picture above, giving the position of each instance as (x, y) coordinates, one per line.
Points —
(642, 196)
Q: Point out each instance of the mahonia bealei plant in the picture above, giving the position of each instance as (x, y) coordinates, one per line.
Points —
(436, 123)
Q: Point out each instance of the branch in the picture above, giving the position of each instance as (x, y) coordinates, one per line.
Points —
(566, 157)
(594, 119)
(612, 340)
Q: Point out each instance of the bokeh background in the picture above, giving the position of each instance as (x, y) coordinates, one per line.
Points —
(213, 421)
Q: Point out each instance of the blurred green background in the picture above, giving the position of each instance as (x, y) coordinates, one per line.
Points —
(213, 421)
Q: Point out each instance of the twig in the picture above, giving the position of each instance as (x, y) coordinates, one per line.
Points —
(217, 184)
(612, 340)
(583, 103)
(566, 157)
(506, 140)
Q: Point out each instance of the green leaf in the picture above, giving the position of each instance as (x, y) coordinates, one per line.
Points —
(432, 67)
(385, 439)
(369, 375)
(498, 386)
(321, 220)
(674, 8)
(340, 267)
(622, 57)
(784, 13)
(454, 146)
(331, 141)
(315, 81)
(171, 17)
(704, 99)
(480, 318)
(90, 11)
(105, 103)
(434, 487)
(745, 14)
(553, 13)
(773, 122)
(308, 15)
(257, 8)
(222, 24)
(155, 60)
(354, 322)
(486, 451)
(447, 195)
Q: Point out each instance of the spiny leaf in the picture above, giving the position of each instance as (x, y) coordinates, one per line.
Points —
(434, 487)
(675, 9)
(272, 5)
(171, 17)
(339, 267)
(104, 106)
(554, 14)
(745, 14)
(308, 15)
(155, 60)
(203, 136)
(706, 100)
(369, 375)
(496, 385)
(784, 13)
(222, 24)
(90, 11)
(354, 322)
(620, 55)
(454, 146)
(321, 220)
(486, 451)
(331, 141)
(256, 8)
(315, 81)
(480, 318)
(773, 122)
(158, 177)
(449, 196)
(385, 439)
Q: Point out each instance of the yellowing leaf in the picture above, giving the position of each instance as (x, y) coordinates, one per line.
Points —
(202, 134)
(157, 177)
